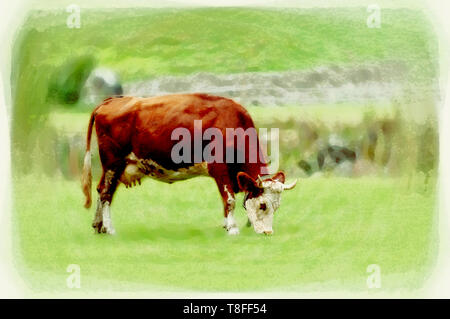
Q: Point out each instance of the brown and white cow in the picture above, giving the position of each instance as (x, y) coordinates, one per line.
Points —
(135, 139)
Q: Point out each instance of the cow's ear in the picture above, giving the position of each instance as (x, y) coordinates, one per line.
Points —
(246, 183)
(280, 177)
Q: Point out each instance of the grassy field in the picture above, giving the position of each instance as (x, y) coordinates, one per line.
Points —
(149, 42)
(327, 232)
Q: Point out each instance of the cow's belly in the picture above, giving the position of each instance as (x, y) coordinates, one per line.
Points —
(137, 169)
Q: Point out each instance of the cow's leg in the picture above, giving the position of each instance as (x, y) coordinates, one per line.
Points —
(220, 175)
(97, 223)
(98, 217)
(229, 205)
(106, 188)
(113, 166)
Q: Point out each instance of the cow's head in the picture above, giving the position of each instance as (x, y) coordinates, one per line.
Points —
(262, 199)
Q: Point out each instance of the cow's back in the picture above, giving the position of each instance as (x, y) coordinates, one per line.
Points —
(180, 110)
(144, 126)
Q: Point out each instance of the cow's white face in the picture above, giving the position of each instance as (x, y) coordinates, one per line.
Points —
(262, 199)
(260, 209)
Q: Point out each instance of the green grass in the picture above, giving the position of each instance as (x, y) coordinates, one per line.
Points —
(150, 42)
(169, 237)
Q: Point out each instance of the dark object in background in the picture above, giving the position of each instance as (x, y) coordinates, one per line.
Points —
(372, 143)
(306, 167)
(67, 81)
(333, 154)
(337, 154)
(101, 84)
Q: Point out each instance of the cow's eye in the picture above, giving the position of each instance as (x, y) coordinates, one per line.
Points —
(263, 206)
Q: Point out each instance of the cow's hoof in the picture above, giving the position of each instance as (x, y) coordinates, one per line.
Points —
(101, 228)
(97, 227)
(108, 230)
(233, 231)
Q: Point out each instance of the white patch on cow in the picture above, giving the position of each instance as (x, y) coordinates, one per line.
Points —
(229, 222)
(231, 225)
(137, 169)
(233, 231)
(107, 222)
(230, 199)
(262, 219)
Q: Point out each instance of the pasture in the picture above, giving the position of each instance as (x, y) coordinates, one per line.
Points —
(169, 237)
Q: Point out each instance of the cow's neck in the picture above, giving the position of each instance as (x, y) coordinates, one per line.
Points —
(255, 170)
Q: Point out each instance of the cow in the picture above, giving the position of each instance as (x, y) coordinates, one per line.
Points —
(136, 139)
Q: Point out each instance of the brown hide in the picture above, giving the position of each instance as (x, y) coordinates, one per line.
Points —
(144, 126)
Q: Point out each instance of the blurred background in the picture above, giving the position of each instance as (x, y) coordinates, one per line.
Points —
(349, 100)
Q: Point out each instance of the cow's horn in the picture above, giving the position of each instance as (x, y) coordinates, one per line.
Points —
(289, 186)
(260, 182)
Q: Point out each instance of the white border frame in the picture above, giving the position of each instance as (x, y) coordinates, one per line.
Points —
(11, 17)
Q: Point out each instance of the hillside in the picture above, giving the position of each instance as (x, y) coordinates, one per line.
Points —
(151, 42)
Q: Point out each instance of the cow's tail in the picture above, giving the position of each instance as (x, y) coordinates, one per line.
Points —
(86, 177)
